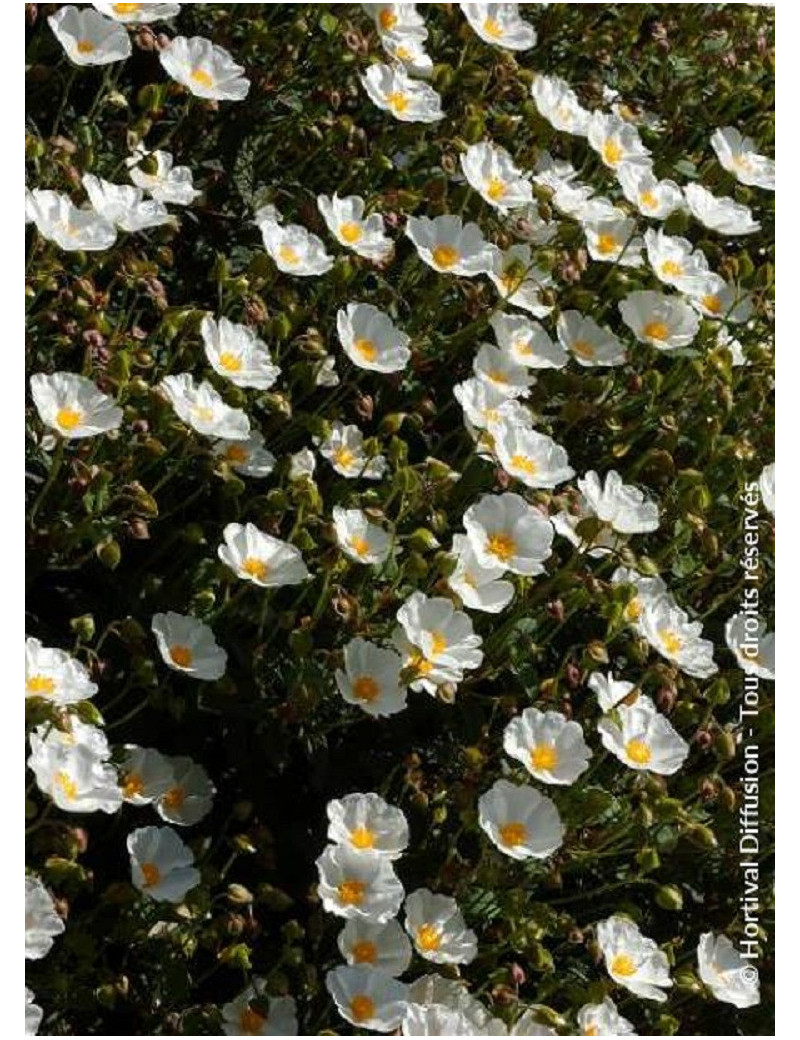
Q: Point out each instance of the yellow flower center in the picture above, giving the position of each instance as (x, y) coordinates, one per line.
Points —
(351, 893)
(591, 1031)
(288, 255)
(403, 53)
(638, 752)
(351, 232)
(255, 568)
(511, 280)
(181, 656)
(648, 200)
(513, 834)
(421, 665)
(251, 1022)
(362, 838)
(67, 785)
(496, 189)
(612, 151)
(41, 685)
(387, 19)
(85, 47)
(606, 244)
(175, 797)
(366, 689)
(497, 376)
(429, 938)
(366, 349)
(359, 545)
(583, 348)
(397, 100)
(68, 418)
(364, 952)
(670, 640)
(445, 256)
(230, 362)
(544, 756)
(132, 785)
(438, 644)
(493, 28)
(151, 874)
(343, 457)
(672, 268)
(362, 1008)
(712, 303)
(522, 462)
(521, 346)
(656, 330)
(202, 78)
(564, 113)
(236, 453)
(633, 611)
(125, 8)
(502, 546)
(623, 965)
(202, 414)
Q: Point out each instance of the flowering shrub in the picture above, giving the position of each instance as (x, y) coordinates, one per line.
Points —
(400, 519)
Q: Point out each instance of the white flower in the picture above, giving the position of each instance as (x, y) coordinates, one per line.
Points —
(359, 539)
(136, 13)
(559, 105)
(327, 374)
(348, 225)
(124, 205)
(352, 884)
(490, 170)
(519, 281)
(344, 449)
(437, 929)
(367, 998)
(206, 69)
(442, 643)
(484, 404)
(55, 675)
(408, 47)
(614, 240)
(526, 342)
(59, 220)
(530, 226)
(302, 464)
(439, 1020)
(643, 739)
(365, 823)
(675, 261)
(201, 406)
(452, 995)
(449, 246)
(610, 691)
(190, 795)
(87, 37)
(33, 1014)
(73, 406)
(726, 973)
(623, 506)
(250, 457)
(521, 822)
(74, 776)
(751, 644)
(652, 197)
(162, 867)
(395, 17)
(589, 343)
(604, 1020)
(633, 960)
(42, 923)
(505, 531)
(766, 485)
(392, 90)
(616, 141)
(380, 946)
(723, 215)
(715, 298)
(294, 248)
(737, 154)
(166, 182)
(532, 458)
(663, 322)
(478, 587)
(648, 590)
(668, 630)
(371, 678)
(258, 557)
(77, 734)
(188, 645)
(236, 352)
(501, 25)
(371, 339)
(144, 775)
(251, 1013)
(550, 746)
(497, 368)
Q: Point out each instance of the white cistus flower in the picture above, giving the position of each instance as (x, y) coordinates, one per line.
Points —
(360, 539)
(371, 678)
(367, 998)
(668, 630)
(207, 70)
(438, 930)
(721, 214)
(366, 823)
(450, 246)
(252, 1013)
(633, 960)
(55, 675)
(371, 339)
(124, 205)
(348, 225)
(603, 1020)
(344, 449)
(737, 154)
(188, 645)
(642, 739)
(559, 105)
(623, 506)
(530, 457)
(727, 974)
(490, 170)
(261, 558)
(550, 746)
(500, 25)
(753, 647)
(156, 174)
(352, 884)
(235, 352)
(409, 100)
(202, 407)
(162, 867)
(610, 691)
(384, 947)
(506, 531)
(42, 923)
(521, 822)
(87, 37)
(478, 587)
(73, 406)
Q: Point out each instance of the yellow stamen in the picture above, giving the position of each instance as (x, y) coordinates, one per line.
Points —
(502, 546)
(255, 568)
(362, 838)
(672, 268)
(40, 685)
(236, 453)
(230, 362)
(496, 189)
(493, 28)
(445, 256)
(366, 349)
(525, 464)
(421, 665)
(712, 303)
(648, 200)
(633, 610)
(351, 893)
(132, 785)
(85, 47)
(343, 457)
(623, 965)
(359, 545)
(288, 255)
(513, 834)
(671, 641)
(151, 874)
(656, 330)
(351, 232)
(438, 644)
(606, 244)
(591, 1031)
(366, 689)
(181, 656)
(584, 349)
(68, 418)
(251, 1022)
(429, 938)
(397, 100)
(126, 8)
(174, 798)
(387, 19)
(67, 785)
(362, 1008)
(364, 952)
(544, 757)
(497, 376)
(612, 152)
(638, 752)
(202, 78)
